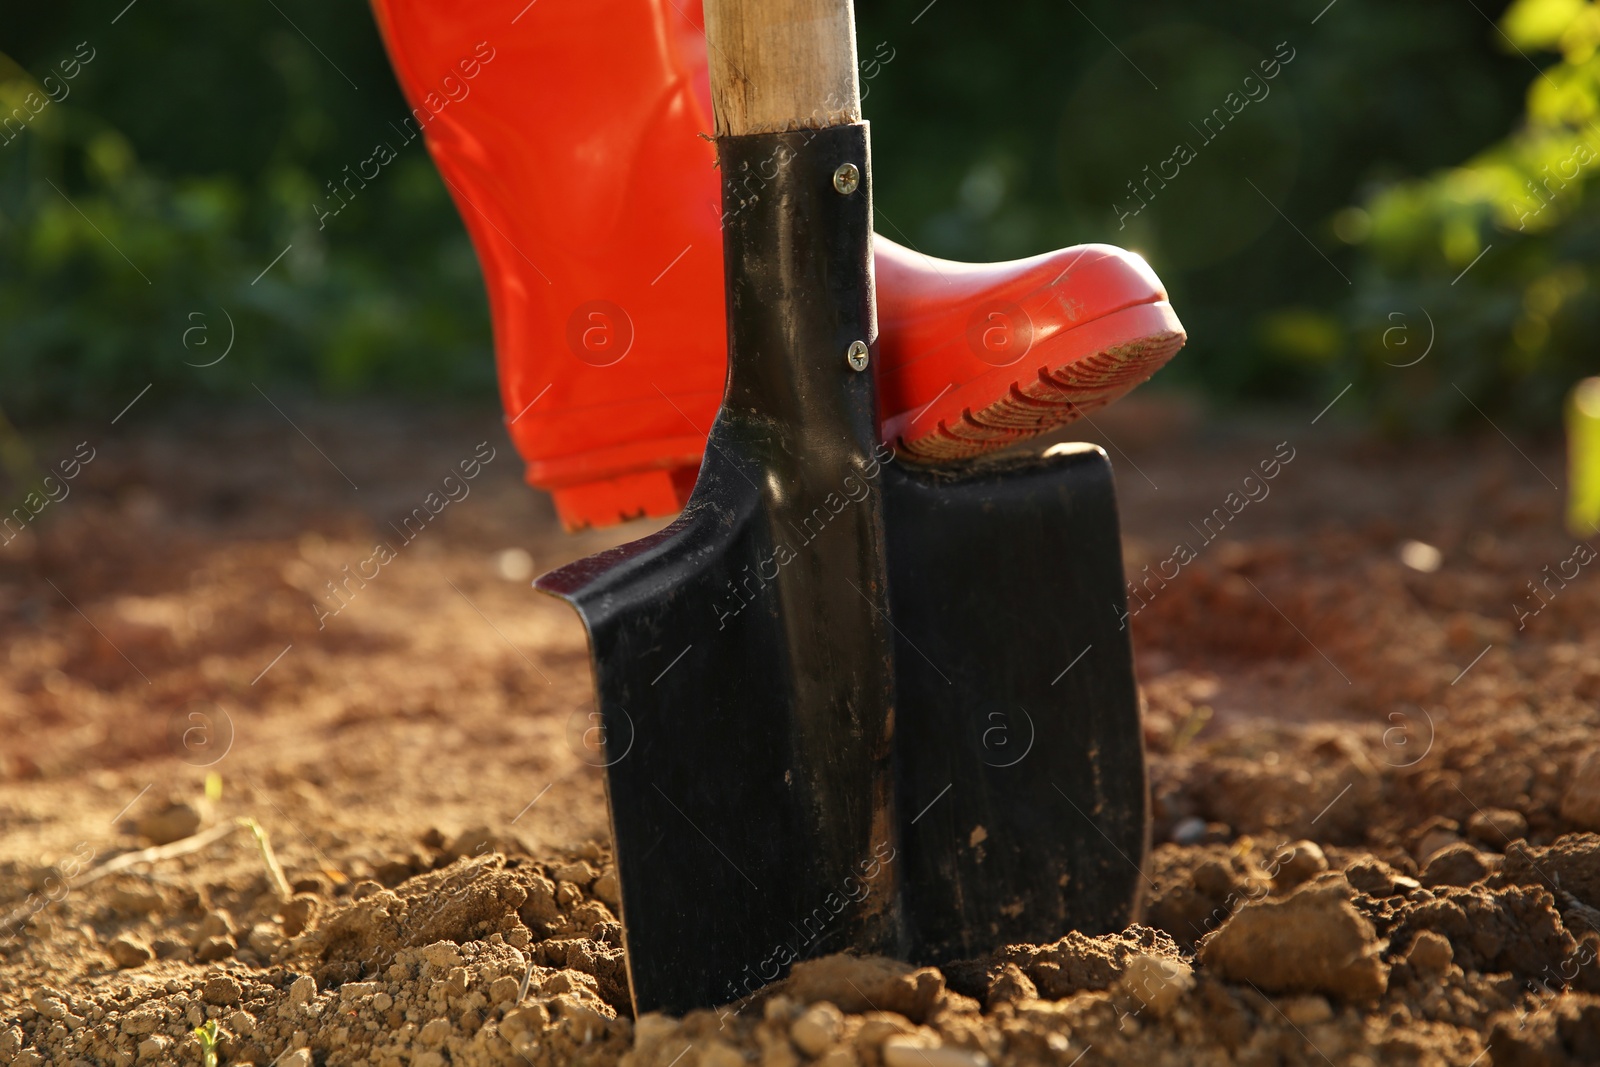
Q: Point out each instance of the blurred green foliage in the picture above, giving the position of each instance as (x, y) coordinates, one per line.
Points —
(137, 212)
(1501, 250)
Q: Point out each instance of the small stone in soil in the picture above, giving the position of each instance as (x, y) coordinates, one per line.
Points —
(607, 889)
(1497, 827)
(817, 1029)
(215, 924)
(1377, 879)
(175, 822)
(141, 1021)
(1298, 862)
(873, 983)
(129, 952)
(1189, 831)
(1435, 841)
(353, 991)
(1457, 865)
(1157, 982)
(1307, 1011)
(1580, 804)
(302, 990)
(1430, 954)
(578, 873)
(265, 939)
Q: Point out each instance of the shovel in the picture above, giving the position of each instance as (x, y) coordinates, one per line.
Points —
(849, 704)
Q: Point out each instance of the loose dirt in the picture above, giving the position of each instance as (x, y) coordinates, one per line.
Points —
(1370, 692)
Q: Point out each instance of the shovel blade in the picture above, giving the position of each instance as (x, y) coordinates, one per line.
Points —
(1020, 759)
(813, 685)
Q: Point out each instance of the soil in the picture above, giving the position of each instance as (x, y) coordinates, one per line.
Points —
(1370, 692)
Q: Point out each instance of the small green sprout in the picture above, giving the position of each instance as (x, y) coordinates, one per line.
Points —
(208, 1036)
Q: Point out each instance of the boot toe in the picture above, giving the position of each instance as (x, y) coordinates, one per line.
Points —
(979, 356)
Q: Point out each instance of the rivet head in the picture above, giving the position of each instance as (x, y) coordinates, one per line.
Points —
(847, 179)
(856, 356)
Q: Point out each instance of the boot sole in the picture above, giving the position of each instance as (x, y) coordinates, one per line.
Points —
(1069, 375)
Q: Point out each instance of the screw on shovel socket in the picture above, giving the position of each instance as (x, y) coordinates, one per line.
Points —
(847, 179)
(856, 355)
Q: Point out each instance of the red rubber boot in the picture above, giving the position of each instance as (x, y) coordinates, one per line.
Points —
(565, 131)
(589, 190)
(976, 357)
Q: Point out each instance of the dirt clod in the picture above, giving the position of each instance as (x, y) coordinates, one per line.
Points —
(172, 822)
(1298, 863)
(1495, 828)
(136, 900)
(871, 983)
(302, 990)
(817, 1029)
(1458, 865)
(1079, 962)
(129, 952)
(1377, 879)
(1430, 954)
(1009, 985)
(1516, 930)
(1158, 982)
(1312, 941)
(1580, 804)
(221, 989)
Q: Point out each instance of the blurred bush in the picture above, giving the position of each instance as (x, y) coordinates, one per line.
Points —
(1500, 252)
(141, 204)
(137, 212)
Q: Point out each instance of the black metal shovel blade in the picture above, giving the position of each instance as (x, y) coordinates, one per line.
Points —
(1020, 760)
(848, 704)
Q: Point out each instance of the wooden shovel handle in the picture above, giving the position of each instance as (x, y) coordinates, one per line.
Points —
(782, 64)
